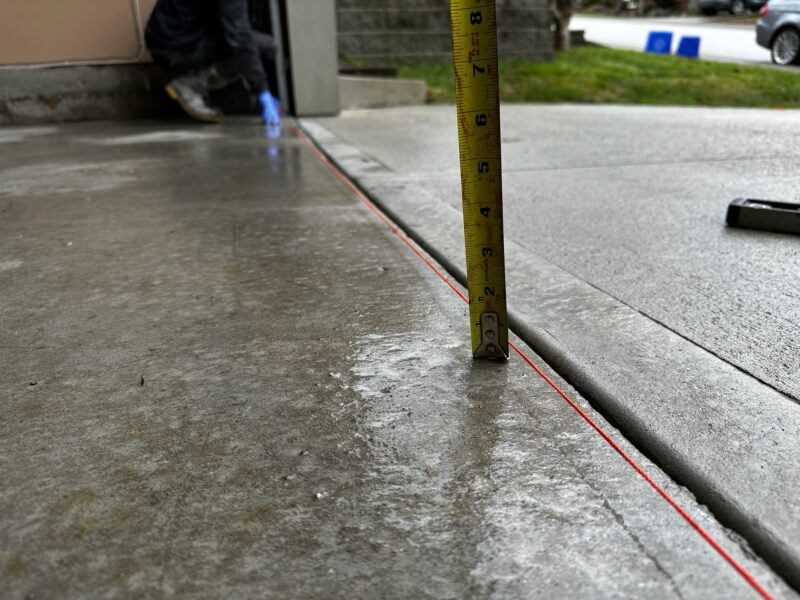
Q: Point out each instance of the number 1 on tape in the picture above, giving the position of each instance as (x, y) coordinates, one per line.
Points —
(474, 30)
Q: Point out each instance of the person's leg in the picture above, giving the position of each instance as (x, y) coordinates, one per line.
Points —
(203, 70)
(190, 89)
(267, 49)
(266, 46)
(207, 69)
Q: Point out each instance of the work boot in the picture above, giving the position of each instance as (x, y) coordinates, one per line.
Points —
(190, 90)
(192, 102)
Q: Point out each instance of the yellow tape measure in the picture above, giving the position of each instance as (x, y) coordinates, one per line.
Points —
(474, 29)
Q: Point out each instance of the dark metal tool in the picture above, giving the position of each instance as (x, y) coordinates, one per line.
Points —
(770, 215)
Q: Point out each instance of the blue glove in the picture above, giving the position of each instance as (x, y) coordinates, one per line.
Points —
(270, 108)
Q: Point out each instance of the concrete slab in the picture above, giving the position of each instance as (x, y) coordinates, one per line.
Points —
(380, 92)
(614, 229)
(222, 377)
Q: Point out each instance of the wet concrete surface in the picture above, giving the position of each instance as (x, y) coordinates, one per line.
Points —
(632, 200)
(223, 377)
(622, 273)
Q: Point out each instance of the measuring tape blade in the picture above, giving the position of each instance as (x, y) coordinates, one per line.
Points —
(474, 30)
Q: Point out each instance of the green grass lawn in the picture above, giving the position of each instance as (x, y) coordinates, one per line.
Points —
(592, 74)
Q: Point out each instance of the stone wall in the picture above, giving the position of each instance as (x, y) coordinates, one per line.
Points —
(402, 32)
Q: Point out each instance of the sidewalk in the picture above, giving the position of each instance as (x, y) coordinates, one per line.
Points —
(223, 376)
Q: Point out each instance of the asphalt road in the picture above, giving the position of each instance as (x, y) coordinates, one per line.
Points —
(632, 200)
(718, 41)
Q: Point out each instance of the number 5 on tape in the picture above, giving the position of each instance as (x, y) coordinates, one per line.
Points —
(474, 30)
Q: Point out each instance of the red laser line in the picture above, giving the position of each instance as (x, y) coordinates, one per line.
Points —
(744, 573)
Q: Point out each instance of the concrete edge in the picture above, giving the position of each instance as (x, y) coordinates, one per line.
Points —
(766, 542)
(356, 92)
(97, 92)
(74, 93)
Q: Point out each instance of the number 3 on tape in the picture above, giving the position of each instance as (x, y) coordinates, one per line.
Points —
(474, 30)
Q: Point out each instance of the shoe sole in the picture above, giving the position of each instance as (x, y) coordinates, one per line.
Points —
(175, 96)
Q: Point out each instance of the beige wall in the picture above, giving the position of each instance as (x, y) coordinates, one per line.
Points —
(53, 31)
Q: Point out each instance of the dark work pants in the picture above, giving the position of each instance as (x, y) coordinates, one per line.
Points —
(212, 52)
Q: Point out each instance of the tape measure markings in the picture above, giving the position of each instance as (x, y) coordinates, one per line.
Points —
(474, 35)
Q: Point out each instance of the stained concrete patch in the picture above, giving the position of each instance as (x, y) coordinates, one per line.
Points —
(156, 137)
(61, 178)
(18, 134)
(8, 265)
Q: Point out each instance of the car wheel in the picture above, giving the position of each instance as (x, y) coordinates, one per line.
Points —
(738, 7)
(786, 47)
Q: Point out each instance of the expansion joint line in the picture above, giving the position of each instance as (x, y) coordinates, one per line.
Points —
(744, 573)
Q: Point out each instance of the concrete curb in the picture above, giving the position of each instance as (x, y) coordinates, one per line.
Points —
(680, 404)
(379, 92)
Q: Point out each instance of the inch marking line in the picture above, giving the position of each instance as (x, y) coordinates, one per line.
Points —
(709, 539)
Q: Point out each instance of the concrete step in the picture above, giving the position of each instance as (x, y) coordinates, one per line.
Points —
(379, 92)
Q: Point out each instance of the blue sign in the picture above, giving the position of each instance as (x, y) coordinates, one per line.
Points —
(659, 42)
(689, 46)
